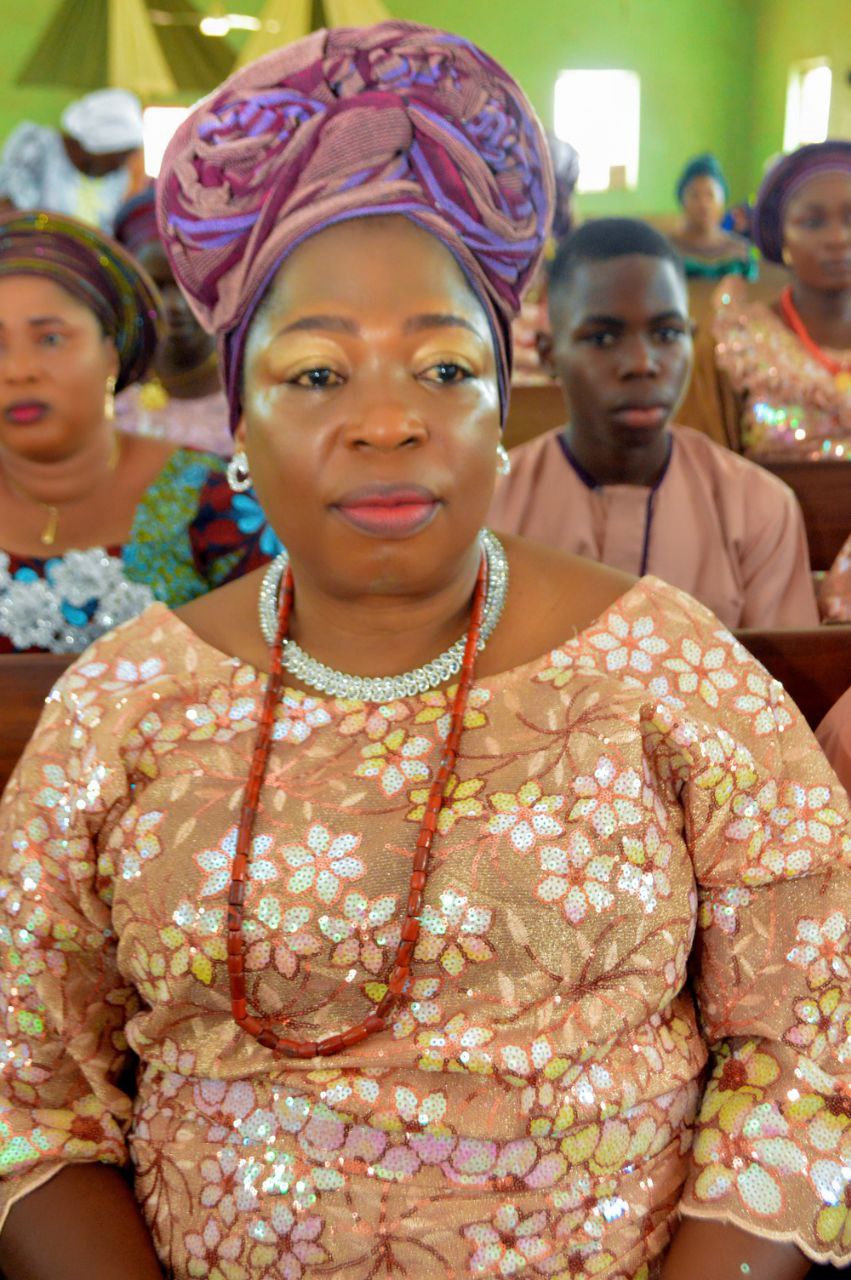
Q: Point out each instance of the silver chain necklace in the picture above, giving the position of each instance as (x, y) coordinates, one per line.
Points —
(338, 684)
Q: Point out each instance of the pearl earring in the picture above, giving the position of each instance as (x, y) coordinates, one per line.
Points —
(503, 462)
(239, 477)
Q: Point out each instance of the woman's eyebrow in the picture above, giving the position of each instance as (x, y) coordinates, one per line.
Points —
(437, 321)
(337, 324)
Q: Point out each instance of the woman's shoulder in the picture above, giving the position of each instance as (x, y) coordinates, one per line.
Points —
(145, 654)
(556, 599)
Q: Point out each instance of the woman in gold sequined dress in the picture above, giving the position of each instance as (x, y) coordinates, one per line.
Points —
(404, 969)
(789, 363)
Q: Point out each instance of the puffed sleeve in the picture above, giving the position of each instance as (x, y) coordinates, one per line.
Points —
(23, 162)
(769, 832)
(63, 1003)
(230, 534)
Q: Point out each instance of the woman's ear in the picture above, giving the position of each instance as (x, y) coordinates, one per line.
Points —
(113, 363)
(544, 347)
(239, 435)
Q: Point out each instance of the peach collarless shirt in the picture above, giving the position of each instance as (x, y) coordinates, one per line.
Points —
(715, 525)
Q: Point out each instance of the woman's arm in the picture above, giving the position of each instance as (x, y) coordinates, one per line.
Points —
(715, 1251)
(84, 1224)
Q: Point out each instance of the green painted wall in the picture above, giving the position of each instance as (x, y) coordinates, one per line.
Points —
(693, 56)
(789, 31)
(713, 72)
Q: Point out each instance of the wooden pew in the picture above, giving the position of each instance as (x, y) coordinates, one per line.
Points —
(532, 411)
(25, 681)
(823, 489)
(814, 666)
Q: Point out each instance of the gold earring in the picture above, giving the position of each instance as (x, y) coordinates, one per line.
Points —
(787, 257)
(109, 400)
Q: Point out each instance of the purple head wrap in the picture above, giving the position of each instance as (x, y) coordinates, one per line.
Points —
(783, 180)
(95, 270)
(350, 122)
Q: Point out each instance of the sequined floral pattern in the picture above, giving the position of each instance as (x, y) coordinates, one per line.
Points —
(792, 405)
(640, 803)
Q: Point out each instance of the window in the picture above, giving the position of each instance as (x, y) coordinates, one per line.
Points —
(807, 103)
(598, 112)
(158, 124)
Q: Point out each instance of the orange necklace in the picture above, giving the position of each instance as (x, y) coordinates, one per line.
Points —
(399, 976)
(841, 372)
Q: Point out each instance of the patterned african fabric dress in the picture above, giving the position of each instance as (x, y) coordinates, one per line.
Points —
(792, 406)
(641, 804)
(146, 409)
(190, 533)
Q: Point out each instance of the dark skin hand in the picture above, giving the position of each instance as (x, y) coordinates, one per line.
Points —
(622, 350)
(87, 1216)
(817, 240)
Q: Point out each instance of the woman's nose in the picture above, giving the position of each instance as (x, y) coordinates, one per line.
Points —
(386, 424)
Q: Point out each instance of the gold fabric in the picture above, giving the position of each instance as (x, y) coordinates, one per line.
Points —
(641, 804)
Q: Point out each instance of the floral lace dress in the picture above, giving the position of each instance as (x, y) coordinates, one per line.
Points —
(631, 993)
(190, 533)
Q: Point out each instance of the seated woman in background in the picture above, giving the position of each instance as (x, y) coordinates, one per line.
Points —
(789, 363)
(95, 524)
(707, 250)
(532, 326)
(617, 484)
(181, 397)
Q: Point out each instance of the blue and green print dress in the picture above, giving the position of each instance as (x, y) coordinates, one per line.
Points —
(190, 534)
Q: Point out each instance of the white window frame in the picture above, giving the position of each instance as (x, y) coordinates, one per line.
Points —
(599, 113)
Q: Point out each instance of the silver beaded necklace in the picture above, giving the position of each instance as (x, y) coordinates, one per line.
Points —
(337, 684)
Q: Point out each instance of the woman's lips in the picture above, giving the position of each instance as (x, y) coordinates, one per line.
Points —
(25, 412)
(388, 511)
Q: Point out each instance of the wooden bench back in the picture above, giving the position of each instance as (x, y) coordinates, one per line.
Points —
(814, 666)
(824, 491)
(25, 681)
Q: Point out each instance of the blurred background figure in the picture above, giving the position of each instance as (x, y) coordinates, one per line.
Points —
(788, 361)
(86, 168)
(532, 326)
(95, 524)
(181, 398)
(707, 249)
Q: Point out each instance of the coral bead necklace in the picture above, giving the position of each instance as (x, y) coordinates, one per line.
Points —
(398, 979)
(841, 371)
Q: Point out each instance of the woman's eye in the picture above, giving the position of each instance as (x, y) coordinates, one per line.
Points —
(447, 372)
(51, 339)
(317, 379)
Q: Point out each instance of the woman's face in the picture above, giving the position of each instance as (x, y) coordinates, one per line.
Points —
(54, 366)
(186, 344)
(371, 409)
(703, 203)
(817, 232)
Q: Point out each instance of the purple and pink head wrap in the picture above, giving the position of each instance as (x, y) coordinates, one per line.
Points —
(395, 118)
(784, 180)
(97, 272)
